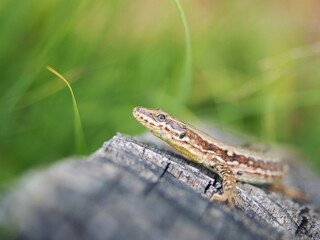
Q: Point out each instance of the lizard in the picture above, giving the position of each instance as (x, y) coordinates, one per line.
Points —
(231, 163)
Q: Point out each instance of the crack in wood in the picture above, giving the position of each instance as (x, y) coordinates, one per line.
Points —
(207, 187)
(151, 186)
(301, 229)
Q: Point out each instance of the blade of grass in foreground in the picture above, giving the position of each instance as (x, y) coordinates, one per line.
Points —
(80, 141)
(186, 81)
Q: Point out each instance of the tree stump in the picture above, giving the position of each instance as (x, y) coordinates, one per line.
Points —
(137, 188)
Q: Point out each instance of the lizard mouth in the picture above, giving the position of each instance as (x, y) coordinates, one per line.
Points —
(144, 117)
(136, 112)
(139, 114)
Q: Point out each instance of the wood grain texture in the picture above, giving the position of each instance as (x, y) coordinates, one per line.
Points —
(134, 189)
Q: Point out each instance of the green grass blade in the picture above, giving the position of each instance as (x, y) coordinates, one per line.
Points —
(79, 136)
(186, 81)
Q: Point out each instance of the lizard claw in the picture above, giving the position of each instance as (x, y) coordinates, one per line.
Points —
(229, 196)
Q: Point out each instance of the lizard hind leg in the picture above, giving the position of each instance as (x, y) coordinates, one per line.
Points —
(288, 191)
(229, 186)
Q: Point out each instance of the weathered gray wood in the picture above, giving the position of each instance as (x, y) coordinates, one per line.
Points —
(133, 189)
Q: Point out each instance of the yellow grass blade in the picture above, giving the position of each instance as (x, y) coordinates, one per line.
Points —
(79, 136)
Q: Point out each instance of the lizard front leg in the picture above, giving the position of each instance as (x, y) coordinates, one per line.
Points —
(228, 183)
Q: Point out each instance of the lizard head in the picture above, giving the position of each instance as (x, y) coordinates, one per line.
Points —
(171, 130)
(161, 124)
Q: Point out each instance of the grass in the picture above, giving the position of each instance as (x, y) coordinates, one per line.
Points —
(255, 68)
(79, 136)
(185, 84)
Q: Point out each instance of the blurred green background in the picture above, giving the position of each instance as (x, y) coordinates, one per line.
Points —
(255, 68)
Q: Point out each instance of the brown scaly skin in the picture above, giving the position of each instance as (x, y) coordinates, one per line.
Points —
(230, 162)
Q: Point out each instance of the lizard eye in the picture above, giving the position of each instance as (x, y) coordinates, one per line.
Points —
(161, 117)
(182, 135)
